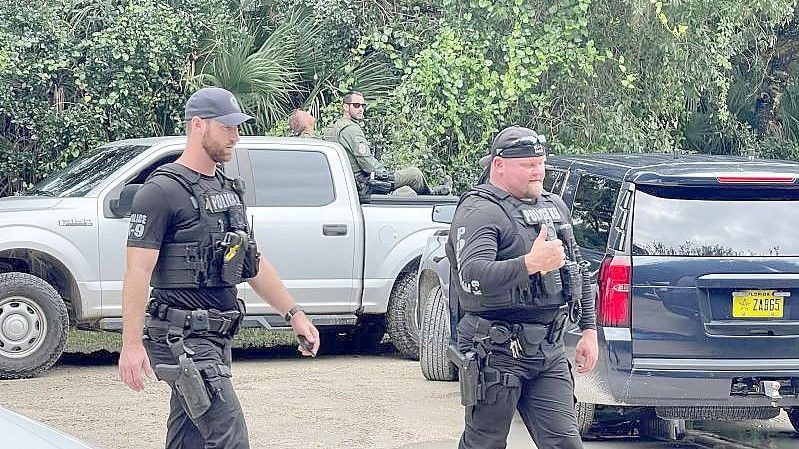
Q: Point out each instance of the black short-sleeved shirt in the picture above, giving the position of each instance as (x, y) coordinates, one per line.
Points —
(161, 207)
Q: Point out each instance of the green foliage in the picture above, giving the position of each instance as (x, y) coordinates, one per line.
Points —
(262, 79)
(491, 64)
(441, 76)
(611, 75)
(82, 73)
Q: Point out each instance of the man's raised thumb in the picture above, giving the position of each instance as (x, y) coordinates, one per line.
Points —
(542, 235)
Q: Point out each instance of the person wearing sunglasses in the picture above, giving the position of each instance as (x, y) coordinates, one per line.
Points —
(370, 175)
(518, 278)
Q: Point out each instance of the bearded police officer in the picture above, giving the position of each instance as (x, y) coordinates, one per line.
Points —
(519, 278)
(190, 240)
(369, 173)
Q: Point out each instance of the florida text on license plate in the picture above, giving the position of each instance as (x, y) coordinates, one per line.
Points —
(758, 303)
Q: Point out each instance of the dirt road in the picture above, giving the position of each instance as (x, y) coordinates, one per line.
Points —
(345, 401)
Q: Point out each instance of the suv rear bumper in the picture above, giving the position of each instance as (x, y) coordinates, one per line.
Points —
(736, 367)
(620, 379)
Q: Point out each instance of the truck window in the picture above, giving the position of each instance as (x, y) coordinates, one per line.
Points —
(147, 171)
(592, 212)
(291, 178)
(87, 171)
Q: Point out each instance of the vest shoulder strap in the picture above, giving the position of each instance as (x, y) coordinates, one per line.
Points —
(181, 174)
(333, 132)
(186, 177)
(489, 195)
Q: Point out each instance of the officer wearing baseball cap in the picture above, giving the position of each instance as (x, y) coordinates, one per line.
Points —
(519, 278)
(516, 141)
(218, 104)
(190, 240)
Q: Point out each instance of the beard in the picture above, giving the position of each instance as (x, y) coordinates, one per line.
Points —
(214, 150)
(534, 190)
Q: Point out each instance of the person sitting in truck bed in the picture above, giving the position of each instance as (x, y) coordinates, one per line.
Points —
(370, 175)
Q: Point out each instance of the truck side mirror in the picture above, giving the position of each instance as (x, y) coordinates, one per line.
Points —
(121, 207)
(443, 213)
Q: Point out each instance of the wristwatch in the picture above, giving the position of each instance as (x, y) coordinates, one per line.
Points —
(294, 310)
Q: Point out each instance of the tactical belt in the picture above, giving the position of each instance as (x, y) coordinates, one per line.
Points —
(501, 332)
(212, 320)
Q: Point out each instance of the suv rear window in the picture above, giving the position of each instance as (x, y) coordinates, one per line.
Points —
(553, 180)
(715, 221)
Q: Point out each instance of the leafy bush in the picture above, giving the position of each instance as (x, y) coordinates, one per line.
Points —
(81, 73)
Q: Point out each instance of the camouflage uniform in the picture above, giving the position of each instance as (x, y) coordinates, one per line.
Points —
(350, 135)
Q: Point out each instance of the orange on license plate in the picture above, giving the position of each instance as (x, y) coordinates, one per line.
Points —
(758, 303)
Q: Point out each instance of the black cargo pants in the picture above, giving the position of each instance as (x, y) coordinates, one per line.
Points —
(545, 399)
(222, 426)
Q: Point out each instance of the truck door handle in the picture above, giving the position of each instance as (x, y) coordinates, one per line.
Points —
(334, 229)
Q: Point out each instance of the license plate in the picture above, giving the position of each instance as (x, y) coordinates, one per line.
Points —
(758, 303)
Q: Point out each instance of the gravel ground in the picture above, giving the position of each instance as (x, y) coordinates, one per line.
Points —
(337, 401)
(345, 401)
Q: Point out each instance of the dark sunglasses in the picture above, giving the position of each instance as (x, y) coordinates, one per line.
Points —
(525, 142)
(357, 105)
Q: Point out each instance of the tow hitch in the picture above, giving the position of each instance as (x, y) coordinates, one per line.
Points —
(771, 389)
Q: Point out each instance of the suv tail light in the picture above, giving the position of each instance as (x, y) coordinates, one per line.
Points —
(614, 292)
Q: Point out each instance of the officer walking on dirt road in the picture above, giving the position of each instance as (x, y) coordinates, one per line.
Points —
(520, 279)
(190, 240)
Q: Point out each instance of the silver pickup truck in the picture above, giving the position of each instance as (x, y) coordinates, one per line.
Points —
(350, 261)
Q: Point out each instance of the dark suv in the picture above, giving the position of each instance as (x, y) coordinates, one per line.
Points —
(697, 263)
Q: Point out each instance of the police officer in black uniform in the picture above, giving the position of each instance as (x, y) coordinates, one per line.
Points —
(190, 240)
(519, 278)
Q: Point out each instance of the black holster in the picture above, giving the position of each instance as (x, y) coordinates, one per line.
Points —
(557, 328)
(574, 280)
(188, 382)
(380, 184)
(468, 374)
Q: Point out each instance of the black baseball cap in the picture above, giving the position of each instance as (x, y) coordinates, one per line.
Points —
(516, 141)
(218, 104)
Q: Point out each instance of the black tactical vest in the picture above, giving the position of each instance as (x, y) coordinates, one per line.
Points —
(219, 249)
(527, 219)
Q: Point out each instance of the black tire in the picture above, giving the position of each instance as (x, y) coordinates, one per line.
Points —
(434, 338)
(401, 316)
(793, 415)
(34, 325)
(585, 417)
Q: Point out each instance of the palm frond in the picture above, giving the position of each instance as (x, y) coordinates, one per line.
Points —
(262, 79)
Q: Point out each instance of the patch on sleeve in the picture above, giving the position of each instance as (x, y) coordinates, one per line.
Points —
(362, 149)
(138, 222)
